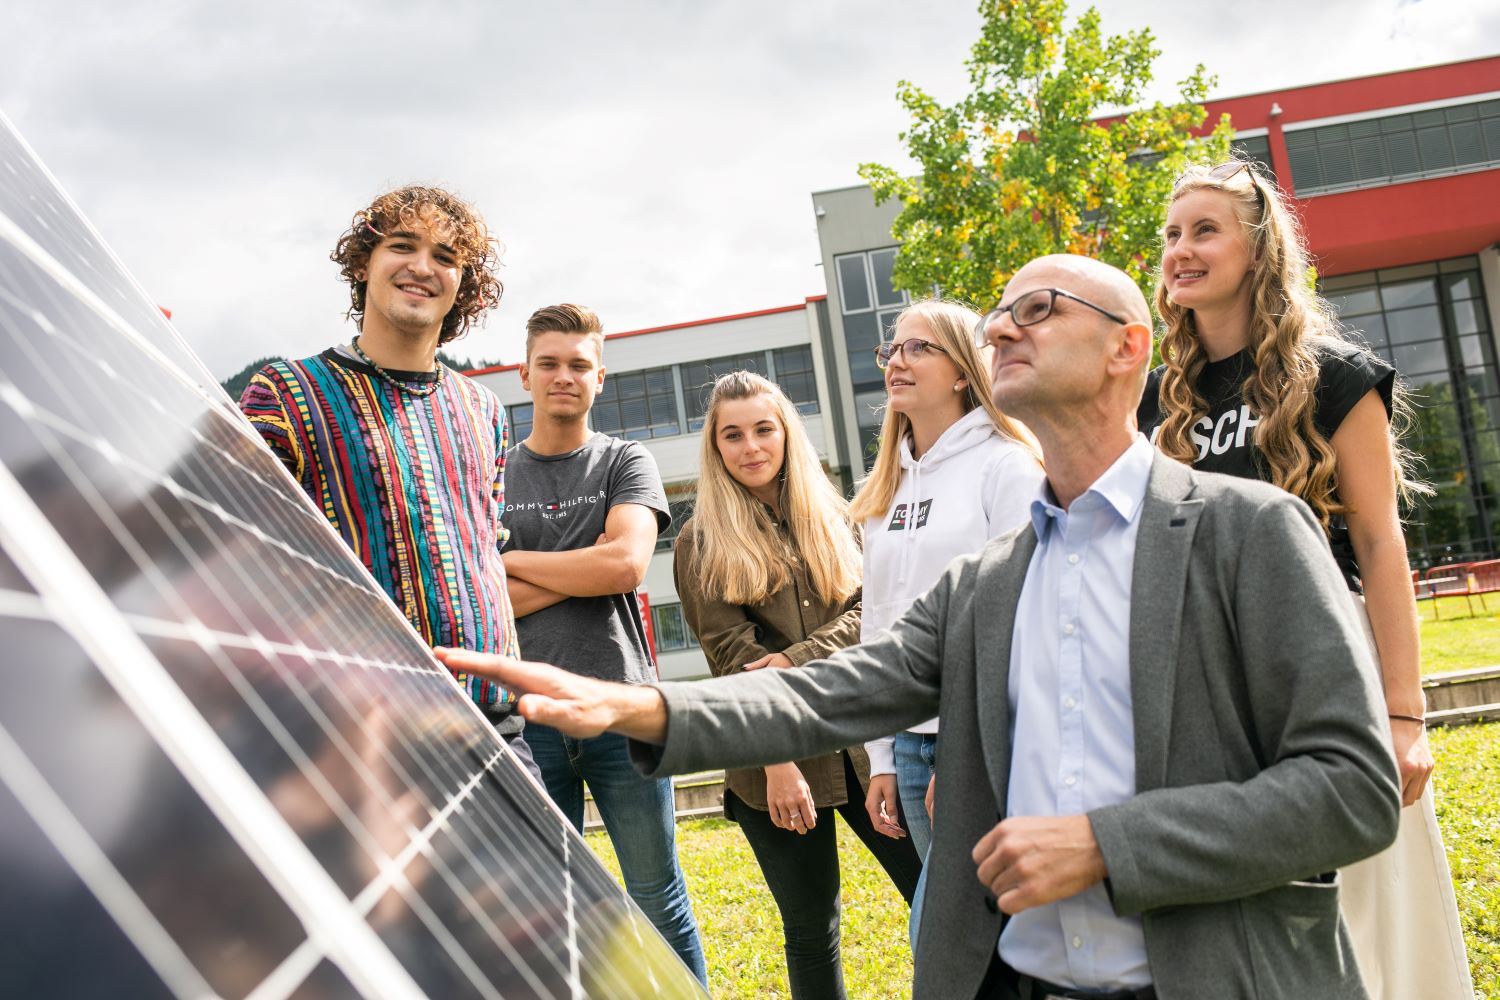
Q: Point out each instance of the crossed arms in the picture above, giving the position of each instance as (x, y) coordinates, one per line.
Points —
(616, 564)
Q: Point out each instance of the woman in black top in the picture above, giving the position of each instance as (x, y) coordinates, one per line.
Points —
(1258, 383)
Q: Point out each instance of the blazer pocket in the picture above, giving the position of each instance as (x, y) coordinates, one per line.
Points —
(1297, 942)
(1314, 897)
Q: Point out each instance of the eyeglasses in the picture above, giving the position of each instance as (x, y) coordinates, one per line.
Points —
(1221, 173)
(1031, 308)
(911, 350)
(1225, 172)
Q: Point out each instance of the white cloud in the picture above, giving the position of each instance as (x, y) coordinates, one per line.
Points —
(652, 159)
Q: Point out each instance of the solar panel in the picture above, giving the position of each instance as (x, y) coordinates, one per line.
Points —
(228, 767)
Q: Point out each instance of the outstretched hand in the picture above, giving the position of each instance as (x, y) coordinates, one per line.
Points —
(577, 706)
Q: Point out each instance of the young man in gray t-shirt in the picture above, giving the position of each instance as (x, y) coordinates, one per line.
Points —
(583, 511)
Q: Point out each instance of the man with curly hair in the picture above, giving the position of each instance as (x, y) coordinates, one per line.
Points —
(405, 457)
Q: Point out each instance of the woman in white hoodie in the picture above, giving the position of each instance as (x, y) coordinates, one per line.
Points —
(952, 473)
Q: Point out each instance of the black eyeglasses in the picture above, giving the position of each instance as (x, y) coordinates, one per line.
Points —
(911, 349)
(1033, 307)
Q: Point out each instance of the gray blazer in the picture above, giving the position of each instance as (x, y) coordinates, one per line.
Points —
(1261, 749)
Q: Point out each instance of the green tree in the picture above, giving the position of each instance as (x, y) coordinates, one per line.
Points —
(1037, 158)
(235, 384)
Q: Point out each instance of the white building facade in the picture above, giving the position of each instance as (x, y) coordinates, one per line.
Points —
(655, 387)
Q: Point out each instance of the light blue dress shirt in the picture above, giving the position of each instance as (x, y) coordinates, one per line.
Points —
(1072, 734)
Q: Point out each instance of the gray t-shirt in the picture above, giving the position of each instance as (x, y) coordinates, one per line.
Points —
(555, 503)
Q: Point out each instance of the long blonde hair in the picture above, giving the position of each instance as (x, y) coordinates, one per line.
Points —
(1287, 319)
(743, 556)
(952, 324)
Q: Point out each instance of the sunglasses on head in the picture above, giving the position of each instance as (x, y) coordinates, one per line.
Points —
(1222, 174)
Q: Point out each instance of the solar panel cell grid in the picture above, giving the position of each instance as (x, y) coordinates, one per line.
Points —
(227, 762)
(34, 961)
(109, 790)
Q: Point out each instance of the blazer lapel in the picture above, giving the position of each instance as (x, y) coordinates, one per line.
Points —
(998, 591)
(1157, 585)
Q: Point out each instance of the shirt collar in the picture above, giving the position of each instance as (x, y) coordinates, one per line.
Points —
(1122, 487)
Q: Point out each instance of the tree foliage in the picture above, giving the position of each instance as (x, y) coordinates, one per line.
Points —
(1025, 166)
(236, 383)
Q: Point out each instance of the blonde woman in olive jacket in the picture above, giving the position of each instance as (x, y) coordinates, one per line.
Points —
(767, 571)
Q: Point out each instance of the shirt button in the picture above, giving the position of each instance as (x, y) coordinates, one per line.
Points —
(1077, 941)
(805, 603)
(1069, 628)
(1070, 781)
(1073, 559)
(1070, 703)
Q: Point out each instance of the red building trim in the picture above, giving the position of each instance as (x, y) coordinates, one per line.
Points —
(674, 326)
(1385, 225)
(1358, 95)
(490, 369)
(1400, 224)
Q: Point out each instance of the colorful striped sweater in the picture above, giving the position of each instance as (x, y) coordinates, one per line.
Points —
(414, 484)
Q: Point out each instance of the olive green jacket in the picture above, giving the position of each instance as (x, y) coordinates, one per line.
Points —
(793, 621)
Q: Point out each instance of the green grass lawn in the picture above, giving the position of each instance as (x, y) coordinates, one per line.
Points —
(1468, 809)
(1458, 640)
(742, 932)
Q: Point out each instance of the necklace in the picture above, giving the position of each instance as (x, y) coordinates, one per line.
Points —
(388, 377)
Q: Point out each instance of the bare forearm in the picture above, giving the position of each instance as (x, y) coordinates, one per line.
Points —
(528, 598)
(1393, 619)
(589, 572)
(1366, 471)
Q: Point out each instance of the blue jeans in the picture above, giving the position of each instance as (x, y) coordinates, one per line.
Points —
(638, 815)
(916, 758)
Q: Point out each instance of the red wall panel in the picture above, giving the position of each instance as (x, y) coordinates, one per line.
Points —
(1394, 224)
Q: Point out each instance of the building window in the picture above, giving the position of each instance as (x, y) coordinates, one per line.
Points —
(680, 510)
(638, 405)
(1431, 322)
(698, 380)
(671, 631)
(794, 373)
(882, 269)
(520, 422)
(645, 404)
(1255, 149)
(1375, 151)
(854, 283)
(869, 304)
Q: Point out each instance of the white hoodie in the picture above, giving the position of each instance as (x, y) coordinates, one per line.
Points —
(972, 485)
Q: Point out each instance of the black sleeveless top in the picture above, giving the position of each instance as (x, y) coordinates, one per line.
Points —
(1224, 435)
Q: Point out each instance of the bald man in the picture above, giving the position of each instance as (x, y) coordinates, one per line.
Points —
(1162, 730)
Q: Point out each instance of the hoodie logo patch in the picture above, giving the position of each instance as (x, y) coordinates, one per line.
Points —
(919, 514)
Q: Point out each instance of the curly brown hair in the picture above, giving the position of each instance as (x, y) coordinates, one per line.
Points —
(449, 219)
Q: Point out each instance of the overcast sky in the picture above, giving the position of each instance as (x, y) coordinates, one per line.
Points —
(652, 159)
